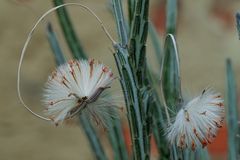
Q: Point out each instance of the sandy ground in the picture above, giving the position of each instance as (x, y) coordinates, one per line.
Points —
(204, 43)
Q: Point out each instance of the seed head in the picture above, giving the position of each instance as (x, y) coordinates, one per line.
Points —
(197, 123)
(77, 87)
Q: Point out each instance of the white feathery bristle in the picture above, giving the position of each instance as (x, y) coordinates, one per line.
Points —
(196, 124)
(78, 86)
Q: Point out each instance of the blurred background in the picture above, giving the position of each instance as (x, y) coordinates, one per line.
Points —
(206, 36)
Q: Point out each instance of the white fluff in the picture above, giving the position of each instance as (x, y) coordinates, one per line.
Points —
(77, 87)
(197, 123)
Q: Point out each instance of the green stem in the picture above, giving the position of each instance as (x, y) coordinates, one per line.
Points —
(131, 5)
(93, 138)
(232, 113)
(132, 77)
(131, 94)
(52, 39)
(159, 124)
(121, 24)
(238, 23)
(171, 22)
(68, 30)
(117, 141)
(156, 43)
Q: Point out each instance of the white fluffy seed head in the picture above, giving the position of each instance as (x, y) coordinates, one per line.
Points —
(79, 87)
(196, 124)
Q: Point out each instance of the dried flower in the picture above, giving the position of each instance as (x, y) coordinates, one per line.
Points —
(197, 123)
(77, 87)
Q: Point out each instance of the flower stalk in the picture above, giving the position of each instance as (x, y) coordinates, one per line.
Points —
(86, 125)
(115, 129)
(71, 38)
(131, 64)
(232, 113)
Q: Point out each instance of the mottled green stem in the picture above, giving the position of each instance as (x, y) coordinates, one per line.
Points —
(69, 33)
(171, 12)
(117, 141)
(159, 125)
(131, 64)
(232, 113)
(131, 4)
